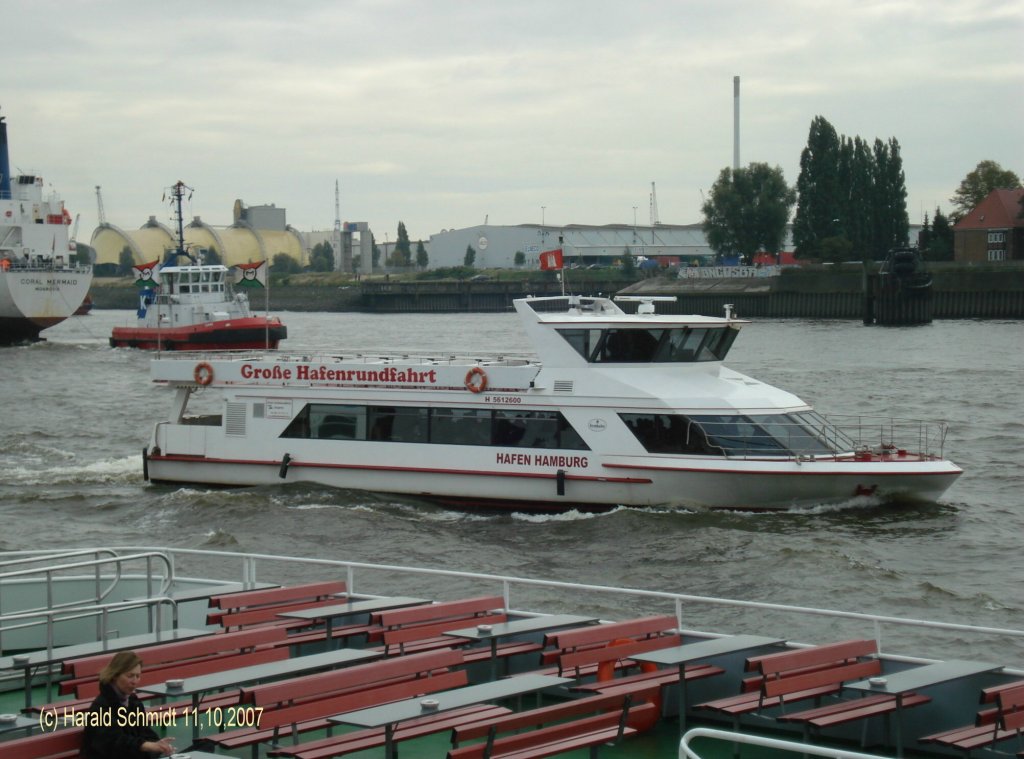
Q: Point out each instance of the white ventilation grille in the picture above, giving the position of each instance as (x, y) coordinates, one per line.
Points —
(234, 418)
(563, 386)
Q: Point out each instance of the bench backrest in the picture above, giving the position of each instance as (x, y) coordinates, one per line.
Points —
(615, 651)
(180, 650)
(423, 632)
(545, 714)
(815, 656)
(466, 607)
(361, 698)
(1011, 708)
(418, 665)
(594, 634)
(283, 594)
(90, 688)
(64, 742)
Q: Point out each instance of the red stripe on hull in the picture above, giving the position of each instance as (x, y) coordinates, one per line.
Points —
(237, 334)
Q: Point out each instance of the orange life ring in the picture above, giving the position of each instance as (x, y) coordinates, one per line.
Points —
(606, 671)
(203, 374)
(5, 264)
(476, 380)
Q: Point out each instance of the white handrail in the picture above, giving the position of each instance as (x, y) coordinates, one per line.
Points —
(687, 752)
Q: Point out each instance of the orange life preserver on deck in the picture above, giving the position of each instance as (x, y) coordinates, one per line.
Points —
(203, 374)
(476, 380)
(5, 264)
(606, 671)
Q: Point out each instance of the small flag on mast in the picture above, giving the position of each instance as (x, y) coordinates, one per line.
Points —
(147, 275)
(551, 260)
(251, 275)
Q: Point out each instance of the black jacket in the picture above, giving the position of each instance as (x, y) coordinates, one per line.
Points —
(121, 740)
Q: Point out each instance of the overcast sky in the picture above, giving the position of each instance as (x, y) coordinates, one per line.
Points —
(444, 113)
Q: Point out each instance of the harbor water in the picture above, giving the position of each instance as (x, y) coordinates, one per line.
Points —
(78, 413)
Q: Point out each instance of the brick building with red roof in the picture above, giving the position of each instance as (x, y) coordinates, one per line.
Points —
(992, 231)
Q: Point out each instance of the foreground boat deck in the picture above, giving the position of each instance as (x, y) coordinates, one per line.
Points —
(459, 625)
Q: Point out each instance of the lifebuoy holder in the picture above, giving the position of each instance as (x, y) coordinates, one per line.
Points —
(476, 380)
(203, 373)
(606, 672)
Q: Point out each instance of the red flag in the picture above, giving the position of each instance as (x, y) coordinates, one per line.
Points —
(551, 259)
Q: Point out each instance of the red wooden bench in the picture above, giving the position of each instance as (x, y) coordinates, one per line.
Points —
(184, 658)
(261, 607)
(991, 725)
(813, 674)
(604, 651)
(65, 743)
(582, 723)
(299, 705)
(421, 628)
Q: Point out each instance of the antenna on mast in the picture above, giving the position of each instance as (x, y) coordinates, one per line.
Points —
(337, 228)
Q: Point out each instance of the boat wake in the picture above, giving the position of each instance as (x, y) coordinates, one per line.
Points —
(108, 471)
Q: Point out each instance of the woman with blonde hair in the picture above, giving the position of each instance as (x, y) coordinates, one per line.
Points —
(121, 732)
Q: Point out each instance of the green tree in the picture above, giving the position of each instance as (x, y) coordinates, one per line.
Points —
(125, 262)
(747, 210)
(422, 259)
(818, 191)
(519, 258)
(470, 257)
(628, 263)
(402, 254)
(889, 210)
(321, 258)
(211, 257)
(282, 263)
(939, 245)
(849, 191)
(374, 253)
(975, 187)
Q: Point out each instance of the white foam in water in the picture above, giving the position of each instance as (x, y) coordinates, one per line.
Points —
(109, 470)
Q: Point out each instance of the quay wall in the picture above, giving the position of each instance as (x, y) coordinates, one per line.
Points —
(821, 293)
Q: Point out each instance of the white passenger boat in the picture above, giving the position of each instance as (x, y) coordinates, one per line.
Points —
(616, 408)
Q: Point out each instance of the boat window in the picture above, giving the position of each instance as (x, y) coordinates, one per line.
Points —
(456, 426)
(446, 426)
(736, 435)
(534, 429)
(669, 433)
(676, 345)
(398, 424)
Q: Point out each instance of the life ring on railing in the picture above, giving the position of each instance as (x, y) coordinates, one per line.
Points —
(203, 374)
(606, 671)
(476, 380)
(5, 264)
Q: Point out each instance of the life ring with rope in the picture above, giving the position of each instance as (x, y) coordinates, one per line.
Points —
(606, 672)
(476, 380)
(203, 373)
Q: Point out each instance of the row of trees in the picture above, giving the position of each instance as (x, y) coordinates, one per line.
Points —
(850, 199)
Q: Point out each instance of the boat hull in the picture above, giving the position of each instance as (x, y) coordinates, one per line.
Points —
(32, 300)
(250, 333)
(603, 485)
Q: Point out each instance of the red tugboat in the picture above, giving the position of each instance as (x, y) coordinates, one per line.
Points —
(195, 307)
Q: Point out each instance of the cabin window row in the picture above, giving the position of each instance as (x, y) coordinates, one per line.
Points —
(805, 433)
(441, 426)
(654, 345)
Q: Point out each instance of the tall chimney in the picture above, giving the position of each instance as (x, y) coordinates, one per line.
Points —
(735, 122)
(5, 162)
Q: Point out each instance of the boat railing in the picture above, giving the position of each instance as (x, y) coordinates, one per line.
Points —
(105, 570)
(253, 566)
(881, 434)
(812, 436)
(686, 751)
(381, 357)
